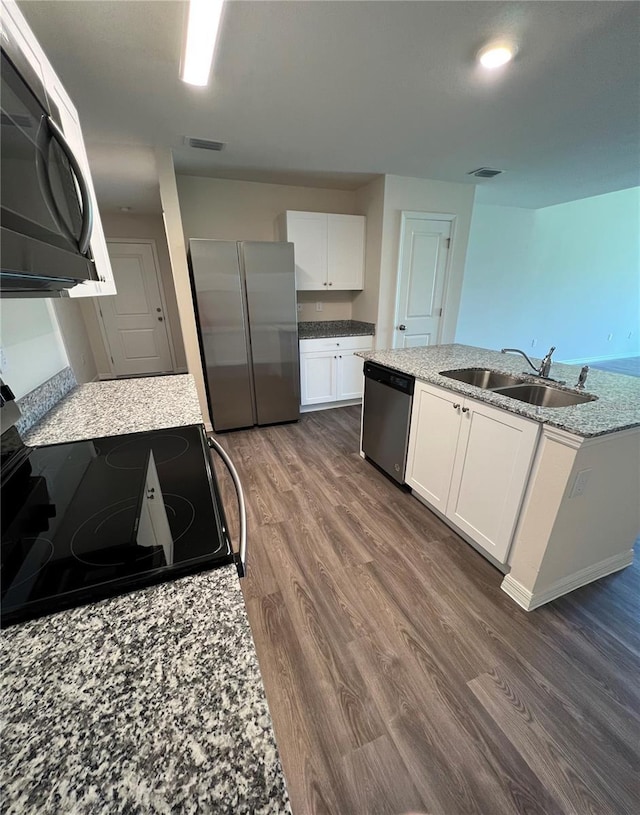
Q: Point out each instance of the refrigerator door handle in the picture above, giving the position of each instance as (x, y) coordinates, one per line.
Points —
(242, 552)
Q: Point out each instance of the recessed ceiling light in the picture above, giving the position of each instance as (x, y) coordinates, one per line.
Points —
(125, 209)
(493, 56)
(202, 32)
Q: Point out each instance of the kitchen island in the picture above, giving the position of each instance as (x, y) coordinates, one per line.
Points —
(147, 702)
(550, 495)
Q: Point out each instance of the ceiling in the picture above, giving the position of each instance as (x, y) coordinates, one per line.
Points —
(333, 93)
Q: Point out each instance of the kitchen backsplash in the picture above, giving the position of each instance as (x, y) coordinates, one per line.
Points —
(39, 401)
(336, 305)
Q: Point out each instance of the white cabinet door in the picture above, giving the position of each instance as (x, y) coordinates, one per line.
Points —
(318, 377)
(345, 252)
(349, 375)
(433, 438)
(73, 134)
(308, 233)
(490, 473)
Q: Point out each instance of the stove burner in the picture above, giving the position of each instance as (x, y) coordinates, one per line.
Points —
(131, 455)
(105, 528)
(39, 554)
(179, 510)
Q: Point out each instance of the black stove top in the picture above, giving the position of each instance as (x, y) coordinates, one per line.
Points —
(90, 519)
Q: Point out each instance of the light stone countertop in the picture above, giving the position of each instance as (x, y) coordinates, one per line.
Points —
(617, 407)
(118, 406)
(313, 330)
(150, 702)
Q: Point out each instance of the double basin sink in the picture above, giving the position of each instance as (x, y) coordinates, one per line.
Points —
(518, 388)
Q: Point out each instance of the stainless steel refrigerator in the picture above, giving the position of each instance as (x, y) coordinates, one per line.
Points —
(244, 295)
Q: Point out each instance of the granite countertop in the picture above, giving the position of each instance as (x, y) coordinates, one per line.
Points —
(119, 406)
(617, 407)
(334, 328)
(151, 702)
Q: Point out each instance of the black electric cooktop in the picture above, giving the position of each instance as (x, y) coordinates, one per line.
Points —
(90, 519)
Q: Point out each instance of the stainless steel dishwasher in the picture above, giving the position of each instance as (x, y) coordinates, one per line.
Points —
(386, 417)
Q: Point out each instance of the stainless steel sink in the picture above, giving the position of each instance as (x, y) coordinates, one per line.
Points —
(483, 378)
(545, 396)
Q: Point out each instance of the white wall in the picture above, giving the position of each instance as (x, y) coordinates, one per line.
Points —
(370, 203)
(70, 318)
(32, 348)
(246, 210)
(567, 275)
(178, 259)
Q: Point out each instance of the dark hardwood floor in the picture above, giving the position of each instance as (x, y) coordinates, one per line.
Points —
(628, 365)
(400, 678)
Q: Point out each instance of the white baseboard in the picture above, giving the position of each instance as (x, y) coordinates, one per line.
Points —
(587, 360)
(530, 600)
(330, 405)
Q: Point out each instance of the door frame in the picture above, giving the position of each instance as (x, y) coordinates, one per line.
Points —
(101, 324)
(405, 215)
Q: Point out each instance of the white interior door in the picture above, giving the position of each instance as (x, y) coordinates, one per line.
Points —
(424, 247)
(134, 319)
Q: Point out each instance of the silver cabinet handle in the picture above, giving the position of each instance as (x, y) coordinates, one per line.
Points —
(242, 566)
(87, 206)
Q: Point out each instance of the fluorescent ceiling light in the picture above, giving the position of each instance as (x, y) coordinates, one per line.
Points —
(202, 32)
(493, 56)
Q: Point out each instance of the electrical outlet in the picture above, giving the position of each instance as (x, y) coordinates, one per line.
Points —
(610, 337)
(318, 306)
(629, 335)
(3, 361)
(299, 307)
(580, 483)
(534, 343)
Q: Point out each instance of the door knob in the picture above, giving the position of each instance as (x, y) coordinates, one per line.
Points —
(159, 319)
(158, 309)
(402, 327)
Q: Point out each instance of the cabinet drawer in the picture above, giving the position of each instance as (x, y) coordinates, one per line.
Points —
(360, 343)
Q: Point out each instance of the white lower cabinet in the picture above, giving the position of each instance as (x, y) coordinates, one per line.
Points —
(330, 371)
(471, 462)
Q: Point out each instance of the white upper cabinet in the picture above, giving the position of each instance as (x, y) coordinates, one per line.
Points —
(329, 250)
(13, 20)
(308, 233)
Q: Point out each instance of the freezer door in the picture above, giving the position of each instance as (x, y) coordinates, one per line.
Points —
(271, 297)
(220, 314)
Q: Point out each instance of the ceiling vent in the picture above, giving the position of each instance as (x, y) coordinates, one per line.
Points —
(205, 144)
(485, 172)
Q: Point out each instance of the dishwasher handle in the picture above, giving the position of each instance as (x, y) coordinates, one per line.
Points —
(387, 376)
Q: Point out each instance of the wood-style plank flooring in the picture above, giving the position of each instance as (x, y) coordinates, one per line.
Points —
(400, 678)
(628, 365)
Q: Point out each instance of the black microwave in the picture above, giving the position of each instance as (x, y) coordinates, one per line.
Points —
(46, 213)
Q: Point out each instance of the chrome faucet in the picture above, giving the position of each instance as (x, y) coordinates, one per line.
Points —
(545, 365)
(582, 378)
